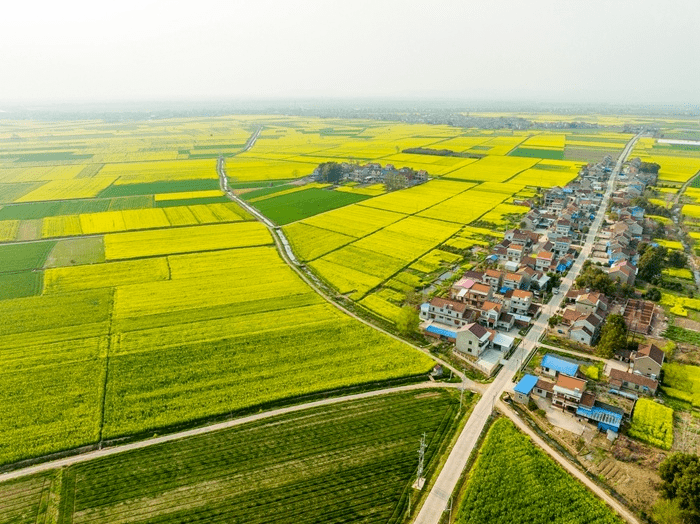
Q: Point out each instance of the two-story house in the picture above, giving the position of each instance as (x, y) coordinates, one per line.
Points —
(649, 360)
(448, 312)
(513, 280)
(493, 278)
(478, 294)
(568, 392)
(472, 339)
(520, 302)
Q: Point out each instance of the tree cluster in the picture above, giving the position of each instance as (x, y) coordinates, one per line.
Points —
(651, 209)
(331, 172)
(650, 167)
(594, 278)
(613, 336)
(680, 473)
(651, 261)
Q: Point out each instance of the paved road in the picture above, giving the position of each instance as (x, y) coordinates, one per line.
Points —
(439, 496)
(107, 452)
(692, 259)
(573, 470)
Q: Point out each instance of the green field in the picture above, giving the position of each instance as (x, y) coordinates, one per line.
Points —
(76, 251)
(302, 204)
(265, 191)
(538, 153)
(348, 462)
(30, 255)
(513, 482)
(192, 201)
(32, 210)
(152, 188)
(682, 381)
(679, 334)
(8, 192)
(21, 284)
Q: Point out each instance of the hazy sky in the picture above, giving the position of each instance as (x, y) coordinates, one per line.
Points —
(635, 51)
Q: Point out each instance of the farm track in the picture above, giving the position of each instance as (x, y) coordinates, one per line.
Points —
(107, 452)
(568, 466)
(440, 496)
(285, 251)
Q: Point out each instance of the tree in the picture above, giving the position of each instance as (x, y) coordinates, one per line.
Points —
(651, 263)
(407, 321)
(680, 473)
(596, 279)
(677, 259)
(331, 172)
(554, 320)
(613, 336)
(652, 294)
(650, 167)
(668, 512)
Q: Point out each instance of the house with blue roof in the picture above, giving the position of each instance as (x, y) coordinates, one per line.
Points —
(605, 416)
(553, 366)
(524, 387)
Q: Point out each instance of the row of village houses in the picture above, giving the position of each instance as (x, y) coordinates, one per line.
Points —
(563, 383)
(503, 297)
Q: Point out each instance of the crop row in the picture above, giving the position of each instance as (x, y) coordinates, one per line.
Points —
(510, 468)
(156, 242)
(135, 219)
(362, 453)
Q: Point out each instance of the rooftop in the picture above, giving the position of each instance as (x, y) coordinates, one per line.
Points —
(571, 383)
(526, 384)
(651, 351)
(634, 378)
(460, 307)
(559, 365)
(439, 329)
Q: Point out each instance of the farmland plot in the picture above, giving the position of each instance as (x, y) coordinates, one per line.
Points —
(652, 423)
(510, 467)
(363, 455)
(189, 337)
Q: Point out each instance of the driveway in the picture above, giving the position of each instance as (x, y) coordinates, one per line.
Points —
(556, 417)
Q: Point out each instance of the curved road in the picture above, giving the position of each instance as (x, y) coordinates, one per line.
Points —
(439, 497)
(285, 251)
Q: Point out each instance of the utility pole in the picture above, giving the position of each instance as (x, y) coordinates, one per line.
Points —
(448, 507)
(420, 480)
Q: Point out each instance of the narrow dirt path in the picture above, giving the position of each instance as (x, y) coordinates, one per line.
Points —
(568, 466)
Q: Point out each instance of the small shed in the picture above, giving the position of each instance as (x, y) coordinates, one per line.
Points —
(608, 417)
(523, 388)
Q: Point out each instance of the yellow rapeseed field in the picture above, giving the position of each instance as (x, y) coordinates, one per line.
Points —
(156, 242)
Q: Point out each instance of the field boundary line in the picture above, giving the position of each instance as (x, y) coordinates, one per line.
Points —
(404, 216)
(115, 450)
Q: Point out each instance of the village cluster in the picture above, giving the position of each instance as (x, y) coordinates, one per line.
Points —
(484, 307)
